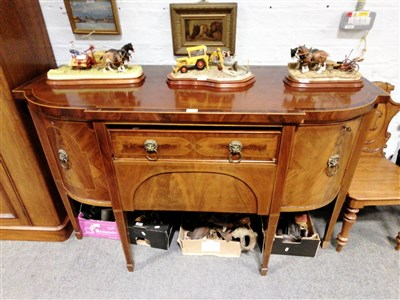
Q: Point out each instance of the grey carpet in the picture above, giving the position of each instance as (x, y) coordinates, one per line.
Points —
(368, 268)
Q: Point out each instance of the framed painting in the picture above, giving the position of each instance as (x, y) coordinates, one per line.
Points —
(93, 16)
(210, 24)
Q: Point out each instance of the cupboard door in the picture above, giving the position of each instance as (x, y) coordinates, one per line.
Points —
(79, 159)
(311, 183)
(191, 186)
(12, 212)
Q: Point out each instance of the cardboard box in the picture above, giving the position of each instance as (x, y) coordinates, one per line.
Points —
(98, 229)
(153, 235)
(220, 248)
(308, 246)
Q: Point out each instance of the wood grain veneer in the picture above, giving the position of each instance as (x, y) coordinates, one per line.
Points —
(288, 137)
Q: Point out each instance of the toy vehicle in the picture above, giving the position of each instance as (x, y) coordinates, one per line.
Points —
(197, 59)
(82, 60)
(217, 58)
(349, 65)
(223, 59)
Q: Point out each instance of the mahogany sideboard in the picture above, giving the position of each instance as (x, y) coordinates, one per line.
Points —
(262, 150)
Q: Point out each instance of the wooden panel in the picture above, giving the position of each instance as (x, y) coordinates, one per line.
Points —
(378, 135)
(222, 187)
(25, 166)
(195, 145)
(84, 174)
(308, 185)
(11, 208)
(26, 50)
(36, 233)
(185, 191)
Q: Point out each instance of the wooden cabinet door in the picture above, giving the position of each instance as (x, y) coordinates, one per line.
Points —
(75, 147)
(310, 184)
(12, 212)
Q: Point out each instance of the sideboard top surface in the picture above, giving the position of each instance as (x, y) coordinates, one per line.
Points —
(268, 100)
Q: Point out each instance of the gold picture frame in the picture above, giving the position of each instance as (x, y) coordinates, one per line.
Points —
(95, 16)
(210, 24)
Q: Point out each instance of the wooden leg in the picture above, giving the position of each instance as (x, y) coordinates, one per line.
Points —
(120, 219)
(69, 207)
(348, 175)
(398, 242)
(335, 215)
(348, 220)
(269, 235)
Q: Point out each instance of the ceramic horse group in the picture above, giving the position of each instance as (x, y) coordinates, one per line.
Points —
(114, 59)
(310, 59)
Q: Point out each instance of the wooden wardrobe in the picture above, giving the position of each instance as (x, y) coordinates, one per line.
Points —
(30, 207)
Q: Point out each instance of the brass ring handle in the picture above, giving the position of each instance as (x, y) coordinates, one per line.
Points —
(333, 165)
(235, 152)
(63, 158)
(150, 146)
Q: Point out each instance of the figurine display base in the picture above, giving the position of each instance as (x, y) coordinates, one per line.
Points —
(66, 75)
(328, 79)
(213, 78)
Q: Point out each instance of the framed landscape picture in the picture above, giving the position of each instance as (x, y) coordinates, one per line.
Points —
(93, 16)
(210, 24)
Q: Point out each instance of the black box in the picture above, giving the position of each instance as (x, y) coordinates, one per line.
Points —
(154, 234)
(307, 246)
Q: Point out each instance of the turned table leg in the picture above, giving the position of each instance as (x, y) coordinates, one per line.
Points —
(398, 242)
(348, 220)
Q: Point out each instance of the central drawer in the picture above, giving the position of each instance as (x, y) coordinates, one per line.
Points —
(195, 144)
(195, 170)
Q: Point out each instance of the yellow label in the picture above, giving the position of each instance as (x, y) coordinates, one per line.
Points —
(363, 13)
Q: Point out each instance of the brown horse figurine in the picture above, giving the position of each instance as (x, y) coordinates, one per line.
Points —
(309, 58)
(115, 59)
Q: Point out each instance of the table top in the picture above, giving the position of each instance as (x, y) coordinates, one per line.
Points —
(268, 101)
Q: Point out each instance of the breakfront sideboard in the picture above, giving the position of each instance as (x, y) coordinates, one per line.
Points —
(262, 150)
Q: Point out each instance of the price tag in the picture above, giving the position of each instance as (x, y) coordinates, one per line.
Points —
(202, 77)
(210, 246)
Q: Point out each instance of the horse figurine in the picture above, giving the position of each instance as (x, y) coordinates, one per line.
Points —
(116, 59)
(310, 58)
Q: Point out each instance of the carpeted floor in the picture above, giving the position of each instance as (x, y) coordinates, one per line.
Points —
(368, 268)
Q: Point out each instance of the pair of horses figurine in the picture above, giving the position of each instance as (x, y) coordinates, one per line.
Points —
(115, 59)
(111, 60)
(310, 59)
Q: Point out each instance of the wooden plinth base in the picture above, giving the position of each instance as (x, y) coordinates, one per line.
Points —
(230, 85)
(323, 84)
(103, 81)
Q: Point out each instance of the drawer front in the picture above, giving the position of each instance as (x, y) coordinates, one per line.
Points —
(196, 144)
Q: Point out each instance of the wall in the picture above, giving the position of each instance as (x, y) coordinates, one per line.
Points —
(266, 30)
